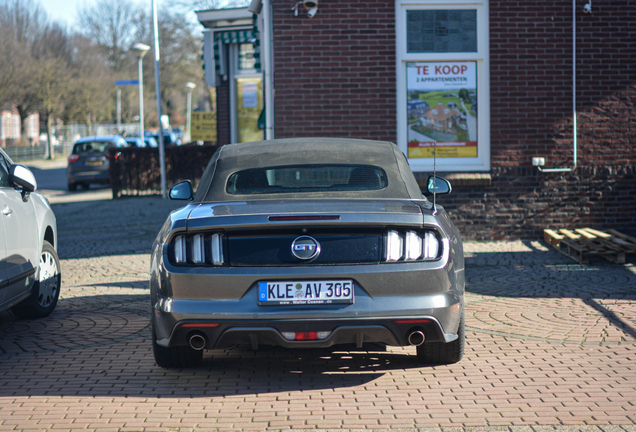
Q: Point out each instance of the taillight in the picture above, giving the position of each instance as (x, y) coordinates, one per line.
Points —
(306, 336)
(198, 249)
(411, 246)
(73, 158)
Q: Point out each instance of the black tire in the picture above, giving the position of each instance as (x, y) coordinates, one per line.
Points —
(179, 357)
(443, 353)
(85, 186)
(46, 289)
(72, 187)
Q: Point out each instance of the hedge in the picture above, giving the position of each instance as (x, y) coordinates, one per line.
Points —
(136, 171)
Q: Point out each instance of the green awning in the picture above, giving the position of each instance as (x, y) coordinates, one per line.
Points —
(236, 37)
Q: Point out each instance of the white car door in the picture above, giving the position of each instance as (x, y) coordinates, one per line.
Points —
(3, 256)
(21, 239)
(4, 182)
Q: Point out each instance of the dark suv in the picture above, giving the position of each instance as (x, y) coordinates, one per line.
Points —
(88, 163)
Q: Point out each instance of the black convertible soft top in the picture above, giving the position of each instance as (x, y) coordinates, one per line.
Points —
(232, 158)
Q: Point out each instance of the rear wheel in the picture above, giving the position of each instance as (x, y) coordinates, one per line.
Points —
(179, 357)
(72, 187)
(46, 289)
(441, 352)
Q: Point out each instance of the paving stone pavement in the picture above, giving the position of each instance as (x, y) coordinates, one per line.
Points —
(551, 346)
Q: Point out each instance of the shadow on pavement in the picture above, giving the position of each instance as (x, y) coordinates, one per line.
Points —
(535, 270)
(128, 369)
(544, 272)
(110, 227)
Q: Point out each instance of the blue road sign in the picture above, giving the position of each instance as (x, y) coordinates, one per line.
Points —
(126, 82)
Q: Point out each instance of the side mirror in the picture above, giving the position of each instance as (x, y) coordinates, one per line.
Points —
(23, 178)
(182, 191)
(438, 185)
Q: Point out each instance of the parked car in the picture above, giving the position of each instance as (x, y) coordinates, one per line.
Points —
(169, 138)
(307, 243)
(88, 163)
(178, 132)
(135, 142)
(150, 141)
(30, 277)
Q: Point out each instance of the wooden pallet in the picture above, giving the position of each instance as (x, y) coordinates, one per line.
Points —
(579, 244)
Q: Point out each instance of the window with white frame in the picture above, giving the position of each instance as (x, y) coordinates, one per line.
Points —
(443, 84)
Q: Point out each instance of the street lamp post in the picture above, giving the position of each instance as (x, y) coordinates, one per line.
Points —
(190, 86)
(140, 51)
(162, 154)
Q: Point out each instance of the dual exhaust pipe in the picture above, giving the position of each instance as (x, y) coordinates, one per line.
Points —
(416, 338)
(197, 341)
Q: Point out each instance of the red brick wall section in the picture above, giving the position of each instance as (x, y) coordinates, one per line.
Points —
(521, 202)
(335, 76)
(531, 82)
(531, 115)
(335, 73)
(223, 113)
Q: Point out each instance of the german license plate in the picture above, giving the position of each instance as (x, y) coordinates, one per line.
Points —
(305, 292)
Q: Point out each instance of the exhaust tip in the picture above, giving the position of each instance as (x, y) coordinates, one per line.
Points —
(416, 338)
(197, 342)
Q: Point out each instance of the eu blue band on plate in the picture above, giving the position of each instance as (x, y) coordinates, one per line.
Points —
(262, 290)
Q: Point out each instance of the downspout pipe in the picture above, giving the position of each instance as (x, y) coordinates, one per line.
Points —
(264, 9)
(269, 69)
(574, 144)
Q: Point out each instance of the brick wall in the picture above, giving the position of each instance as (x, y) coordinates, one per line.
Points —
(223, 113)
(335, 76)
(521, 202)
(335, 73)
(531, 115)
(531, 82)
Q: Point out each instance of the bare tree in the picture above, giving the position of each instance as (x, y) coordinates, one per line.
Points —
(90, 91)
(210, 4)
(50, 84)
(180, 59)
(9, 70)
(24, 31)
(111, 25)
(24, 18)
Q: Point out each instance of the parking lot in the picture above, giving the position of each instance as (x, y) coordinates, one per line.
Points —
(550, 345)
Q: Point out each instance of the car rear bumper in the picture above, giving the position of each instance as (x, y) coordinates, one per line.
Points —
(218, 334)
(86, 174)
(386, 320)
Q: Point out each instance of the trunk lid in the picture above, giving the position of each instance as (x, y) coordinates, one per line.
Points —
(301, 213)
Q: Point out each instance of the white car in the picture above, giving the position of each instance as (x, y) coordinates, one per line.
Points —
(30, 277)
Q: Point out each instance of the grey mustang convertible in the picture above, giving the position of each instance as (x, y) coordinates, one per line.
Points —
(307, 243)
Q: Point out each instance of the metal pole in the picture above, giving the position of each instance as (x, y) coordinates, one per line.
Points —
(162, 156)
(266, 49)
(141, 97)
(189, 114)
(118, 110)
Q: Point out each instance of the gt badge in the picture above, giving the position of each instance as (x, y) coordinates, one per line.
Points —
(305, 248)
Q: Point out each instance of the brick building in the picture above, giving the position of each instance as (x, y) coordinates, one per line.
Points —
(12, 130)
(516, 72)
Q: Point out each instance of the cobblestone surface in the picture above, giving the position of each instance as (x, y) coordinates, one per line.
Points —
(550, 346)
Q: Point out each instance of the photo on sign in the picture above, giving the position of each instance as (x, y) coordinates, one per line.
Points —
(442, 109)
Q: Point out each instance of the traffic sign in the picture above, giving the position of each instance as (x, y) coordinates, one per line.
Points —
(126, 82)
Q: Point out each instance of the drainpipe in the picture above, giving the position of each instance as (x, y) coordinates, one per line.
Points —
(264, 8)
(574, 133)
(268, 58)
